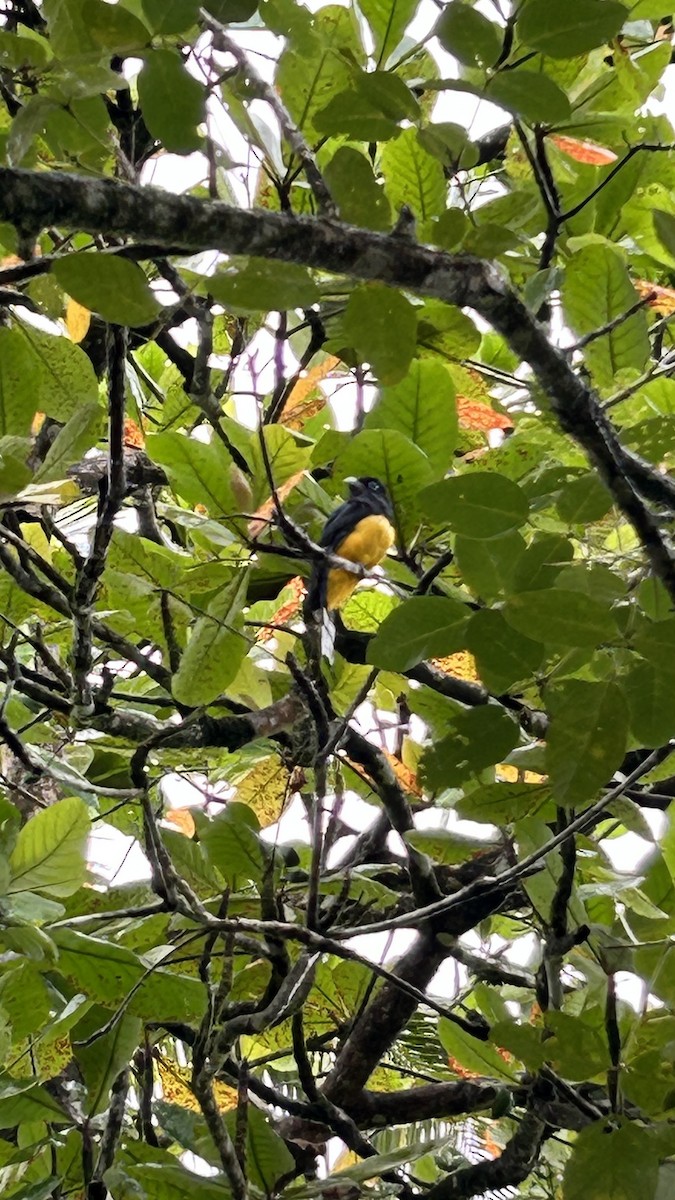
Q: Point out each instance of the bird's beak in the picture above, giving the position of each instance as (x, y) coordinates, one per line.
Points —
(351, 479)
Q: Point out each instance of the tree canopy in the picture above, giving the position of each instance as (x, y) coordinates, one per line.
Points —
(335, 280)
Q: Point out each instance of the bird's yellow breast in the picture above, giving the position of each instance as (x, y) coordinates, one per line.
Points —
(367, 543)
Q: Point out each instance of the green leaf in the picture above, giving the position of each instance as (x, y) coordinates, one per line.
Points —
(71, 443)
(649, 689)
(18, 52)
(309, 75)
(503, 803)
(69, 35)
(232, 844)
(63, 376)
(29, 123)
(350, 114)
(24, 1100)
(444, 846)
(198, 471)
(360, 199)
(471, 1053)
(584, 500)
(618, 1163)
(480, 737)
(570, 29)
(577, 1049)
(488, 568)
(596, 289)
(560, 617)
(450, 229)
(466, 33)
(17, 384)
(586, 739)
(172, 101)
(422, 406)
(102, 1060)
(112, 975)
(284, 455)
(381, 325)
(49, 853)
(170, 16)
(529, 94)
(114, 28)
(388, 20)
(24, 1000)
(43, 1190)
(389, 93)
(423, 627)
(446, 330)
(259, 285)
(524, 1042)
(267, 1155)
(413, 177)
(503, 656)
(664, 227)
(216, 647)
(401, 466)
(107, 284)
(541, 563)
(480, 505)
(656, 642)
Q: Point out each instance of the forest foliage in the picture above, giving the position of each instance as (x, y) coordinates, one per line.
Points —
(485, 324)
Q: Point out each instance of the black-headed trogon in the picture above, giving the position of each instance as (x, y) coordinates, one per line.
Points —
(360, 530)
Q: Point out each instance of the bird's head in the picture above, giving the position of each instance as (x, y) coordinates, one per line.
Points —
(371, 491)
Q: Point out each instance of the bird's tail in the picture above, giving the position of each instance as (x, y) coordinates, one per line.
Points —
(319, 623)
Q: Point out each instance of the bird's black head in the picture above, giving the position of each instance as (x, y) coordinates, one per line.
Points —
(372, 492)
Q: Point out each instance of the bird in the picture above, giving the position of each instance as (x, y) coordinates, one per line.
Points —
(360, 530)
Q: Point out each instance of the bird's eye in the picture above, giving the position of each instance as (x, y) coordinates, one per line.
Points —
(374, 485)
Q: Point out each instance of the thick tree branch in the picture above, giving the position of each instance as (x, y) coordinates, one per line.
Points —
(514, 1164)
(32, 200)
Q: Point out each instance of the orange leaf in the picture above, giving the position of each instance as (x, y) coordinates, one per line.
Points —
(286, 611)
(463, 1072)
(133, 434)
(584, 152)
(302, 403)
(491, 1146)
(474, 415)
(78, 319)
(263, 515)
(661, 299)
(183, 820)
(405, 776)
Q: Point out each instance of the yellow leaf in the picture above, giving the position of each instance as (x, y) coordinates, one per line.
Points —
(509, 774)
(264, 789)
(176, 1088)
(462, 665)
(348, 1158)
(78, 319)
(661, 299)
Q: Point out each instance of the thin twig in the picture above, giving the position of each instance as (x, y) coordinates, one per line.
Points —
(223, 42)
